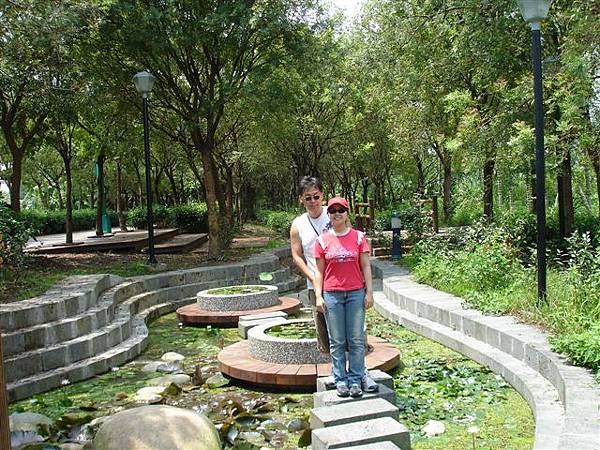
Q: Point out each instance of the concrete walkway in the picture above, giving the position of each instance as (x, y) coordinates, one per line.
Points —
(565, 400)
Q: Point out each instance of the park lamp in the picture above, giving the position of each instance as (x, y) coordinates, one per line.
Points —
(396, 237)
(143, 82)
(534, 11)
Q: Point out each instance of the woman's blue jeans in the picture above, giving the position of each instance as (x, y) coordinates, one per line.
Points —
(345, 316)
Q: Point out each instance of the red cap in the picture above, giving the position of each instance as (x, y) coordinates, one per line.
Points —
(338, 201)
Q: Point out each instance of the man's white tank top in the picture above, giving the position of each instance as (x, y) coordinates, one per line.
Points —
(309, 230)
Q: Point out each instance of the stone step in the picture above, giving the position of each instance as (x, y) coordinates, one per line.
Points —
(379, 376)
(329, 398)
(51, 333)
(386, 445)
(363, 432)
(41, 360)
(328, 416)
(83, 369)
(247, 322)
(69, 298)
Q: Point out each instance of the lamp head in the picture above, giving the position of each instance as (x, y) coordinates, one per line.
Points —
(534, 11)
(143, 82)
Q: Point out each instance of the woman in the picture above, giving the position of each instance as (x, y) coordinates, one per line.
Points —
(344, 290)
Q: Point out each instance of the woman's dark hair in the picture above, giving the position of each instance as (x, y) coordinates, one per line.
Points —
(308, 182)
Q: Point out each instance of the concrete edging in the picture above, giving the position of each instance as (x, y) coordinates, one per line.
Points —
(565, 399)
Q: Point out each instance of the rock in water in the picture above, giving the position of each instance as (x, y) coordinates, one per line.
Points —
(217, 380)
(157, 427)
(433, 428)
(172, 357)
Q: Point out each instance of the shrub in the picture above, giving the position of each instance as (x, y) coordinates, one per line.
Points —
(14, 233)
(54, 222)
(162, 217)
(416, 221)
(192, 218)
(583, 348)
(280, 221)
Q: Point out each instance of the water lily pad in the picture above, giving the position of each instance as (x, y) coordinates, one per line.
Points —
(265, 276)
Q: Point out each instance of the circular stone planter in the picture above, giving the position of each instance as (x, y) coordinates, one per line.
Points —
(257, 297)
(278, 350)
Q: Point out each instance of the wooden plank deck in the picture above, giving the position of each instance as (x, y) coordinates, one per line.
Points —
(193, 315)
(132, 241)
(236, 362)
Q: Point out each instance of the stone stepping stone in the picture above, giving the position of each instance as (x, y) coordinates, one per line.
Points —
(245, 325)
(329, 398)
(379, 376)
(328, 416)
(267, 315)
(362, 432)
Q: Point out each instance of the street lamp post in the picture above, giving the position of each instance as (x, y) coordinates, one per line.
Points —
(534, 11)
(396, 236)
(143, 83)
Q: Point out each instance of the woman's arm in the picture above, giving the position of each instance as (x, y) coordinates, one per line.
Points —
(365, 266)
(318, 284)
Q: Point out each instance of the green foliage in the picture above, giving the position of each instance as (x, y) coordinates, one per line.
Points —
(14, 233)
(415, 220)
(53, 222)
(482, 264)
(583, 348)
(162, 216)
(279, 221)
(191, 218)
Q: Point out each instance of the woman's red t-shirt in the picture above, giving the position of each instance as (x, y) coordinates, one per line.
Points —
(342, 260)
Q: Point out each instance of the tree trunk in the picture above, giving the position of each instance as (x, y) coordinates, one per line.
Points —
(120, 205)
(488, 189)
(15, 180)
(229, 196)
(69, 201)
(447, 188)
(100, 162)
(565, 196)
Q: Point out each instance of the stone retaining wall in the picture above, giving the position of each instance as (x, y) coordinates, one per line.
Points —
(85, 325)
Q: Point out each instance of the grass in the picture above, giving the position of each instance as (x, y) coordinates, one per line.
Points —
(475, 397)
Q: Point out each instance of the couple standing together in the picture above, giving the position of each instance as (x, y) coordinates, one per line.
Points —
(334, 258)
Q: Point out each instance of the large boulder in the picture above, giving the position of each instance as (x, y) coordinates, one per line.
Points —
(157, 427)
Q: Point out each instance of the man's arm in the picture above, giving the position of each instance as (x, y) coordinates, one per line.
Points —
(298, 254)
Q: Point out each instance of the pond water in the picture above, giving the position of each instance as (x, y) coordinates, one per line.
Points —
(434, 384)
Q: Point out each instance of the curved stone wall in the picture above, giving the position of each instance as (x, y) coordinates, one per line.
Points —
(267, 296)
(273, 349)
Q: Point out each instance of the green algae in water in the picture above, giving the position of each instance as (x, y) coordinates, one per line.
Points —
(237, 290)
(436, 383)
(298, 330)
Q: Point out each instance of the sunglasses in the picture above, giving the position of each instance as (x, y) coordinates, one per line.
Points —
(337, 210)
(315, 197)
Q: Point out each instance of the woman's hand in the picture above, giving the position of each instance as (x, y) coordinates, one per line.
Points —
(369, 300)
(320, 304)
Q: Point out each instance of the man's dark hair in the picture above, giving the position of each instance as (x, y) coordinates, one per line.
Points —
(308, 182)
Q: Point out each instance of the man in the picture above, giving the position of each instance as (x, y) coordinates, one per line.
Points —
(304, 232)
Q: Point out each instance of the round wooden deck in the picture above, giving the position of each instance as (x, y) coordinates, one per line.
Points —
(235, 361)
(195, 316)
